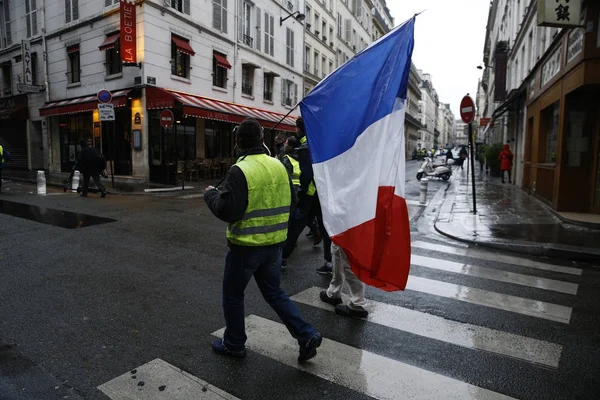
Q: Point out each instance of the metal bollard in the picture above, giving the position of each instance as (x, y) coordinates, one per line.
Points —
(41, 183)
(75, 181)
(423, 199)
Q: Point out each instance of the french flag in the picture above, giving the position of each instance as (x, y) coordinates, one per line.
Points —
(354, 121)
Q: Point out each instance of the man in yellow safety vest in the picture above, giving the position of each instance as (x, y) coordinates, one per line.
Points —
(255, 200)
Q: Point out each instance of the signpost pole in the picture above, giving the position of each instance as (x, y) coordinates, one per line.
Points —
(472, 161)
(184, 171)
(112, 155)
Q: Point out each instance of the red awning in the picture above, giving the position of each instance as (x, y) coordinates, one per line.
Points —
(73, 49)
(81, 104)
(205, 107)
(222, 61)
(110, 42)
(183, 46)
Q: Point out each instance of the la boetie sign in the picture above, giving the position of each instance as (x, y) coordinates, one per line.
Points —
(559, 13)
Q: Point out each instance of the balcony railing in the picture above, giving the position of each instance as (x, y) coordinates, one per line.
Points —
(248, 40)
(268, 96)
(247, 89)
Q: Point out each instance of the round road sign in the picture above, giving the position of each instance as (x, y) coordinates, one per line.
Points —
(166, 118)
(467, 109)
(104, 96)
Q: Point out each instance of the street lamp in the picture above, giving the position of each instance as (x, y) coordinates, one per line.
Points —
(296, 14)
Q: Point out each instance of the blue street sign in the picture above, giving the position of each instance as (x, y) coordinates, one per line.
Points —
(104, 96)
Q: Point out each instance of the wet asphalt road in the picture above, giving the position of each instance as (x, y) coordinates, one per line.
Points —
(82, 306)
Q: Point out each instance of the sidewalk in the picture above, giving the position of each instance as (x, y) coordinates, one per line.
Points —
(123, 185)
(510, 219)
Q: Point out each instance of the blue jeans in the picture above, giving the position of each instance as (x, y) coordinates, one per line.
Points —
(265, 264)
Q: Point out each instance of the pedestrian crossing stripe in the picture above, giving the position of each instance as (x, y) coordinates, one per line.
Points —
(453, 332)
(491, 256)
(360, 370)
(533, 308)
(494, 274)
(159, 380)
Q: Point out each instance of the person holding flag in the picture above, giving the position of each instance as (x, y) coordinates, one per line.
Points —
(354, 120)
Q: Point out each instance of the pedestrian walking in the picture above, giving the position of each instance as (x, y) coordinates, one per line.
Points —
(326, 268)
(506, 160)
(298, 218)
(91, 164)
(256, 201)
(333, 295)
(463, 154)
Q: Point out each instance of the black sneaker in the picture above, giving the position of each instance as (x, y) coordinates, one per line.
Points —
(219, 348)
(325, 269)
(103, 194)
(83, 195)
(346, 311)
(309, 350)
(330, 300)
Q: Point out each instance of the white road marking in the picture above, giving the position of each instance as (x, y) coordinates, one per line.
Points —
(494, 274)
(453, 332)
(491, 256)
(533, 308)
(359, 370)
(161, 381)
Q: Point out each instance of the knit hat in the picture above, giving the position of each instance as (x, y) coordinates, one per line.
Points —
(249, 132)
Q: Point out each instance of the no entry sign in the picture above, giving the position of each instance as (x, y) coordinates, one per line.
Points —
(467, 109)
(166, 118)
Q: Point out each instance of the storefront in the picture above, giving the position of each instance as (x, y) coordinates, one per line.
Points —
(562, 146)
(71, 121)
(14, 114)
(201, 136)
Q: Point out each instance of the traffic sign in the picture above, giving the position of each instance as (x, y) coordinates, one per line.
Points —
(106, 112)
(167, 118)
(467, 109)
(104, 96)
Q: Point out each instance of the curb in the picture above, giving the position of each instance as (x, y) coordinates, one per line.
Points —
(112, 192)
(552, 250)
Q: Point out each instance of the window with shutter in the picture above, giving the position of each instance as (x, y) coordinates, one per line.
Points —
(31, 18)
(75, 12)
(348, 30)
(220, 15)
(67, 11)
(240, 20)
(258, 24)
(269, 34)
(339, 25)
(186, 7)
(290, 47)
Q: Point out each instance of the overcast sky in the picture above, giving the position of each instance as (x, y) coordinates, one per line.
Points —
(449, 40)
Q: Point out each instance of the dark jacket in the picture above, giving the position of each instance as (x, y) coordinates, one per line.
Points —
(89, 161)
(306, 169)
(229, 203)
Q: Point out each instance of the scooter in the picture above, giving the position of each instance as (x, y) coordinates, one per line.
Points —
(436, 171)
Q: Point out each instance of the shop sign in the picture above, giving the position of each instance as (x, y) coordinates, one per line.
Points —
(559, 13)
(575, 44)
(106, 112)
(552, 66)
(128, 47)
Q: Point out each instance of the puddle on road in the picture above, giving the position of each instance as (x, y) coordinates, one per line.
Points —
(50, 216)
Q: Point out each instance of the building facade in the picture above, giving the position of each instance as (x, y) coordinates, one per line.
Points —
(211, 63)
(428, 110)
(445, 124)
(538, 82)
(412, 119)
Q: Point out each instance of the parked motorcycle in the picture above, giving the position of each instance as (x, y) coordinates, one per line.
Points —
(428, 169)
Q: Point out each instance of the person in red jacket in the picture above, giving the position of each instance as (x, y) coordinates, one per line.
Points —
(506, 158)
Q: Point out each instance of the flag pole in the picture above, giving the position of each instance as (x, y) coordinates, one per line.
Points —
(270, 130)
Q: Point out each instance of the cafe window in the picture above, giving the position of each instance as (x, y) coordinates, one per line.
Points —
(549, 130)
(218, 139)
